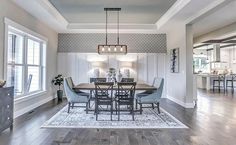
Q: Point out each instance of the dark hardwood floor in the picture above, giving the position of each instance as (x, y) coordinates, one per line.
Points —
(212, 122)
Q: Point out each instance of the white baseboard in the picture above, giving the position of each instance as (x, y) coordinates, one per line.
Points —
(31, 107)
(185, 105)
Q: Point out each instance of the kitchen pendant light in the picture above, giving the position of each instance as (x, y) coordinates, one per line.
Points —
(112, 49)
(234, 59)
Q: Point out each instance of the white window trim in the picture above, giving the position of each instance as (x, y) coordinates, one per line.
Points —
(10, 23)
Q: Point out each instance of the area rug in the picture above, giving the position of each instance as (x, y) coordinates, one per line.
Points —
(77, 118)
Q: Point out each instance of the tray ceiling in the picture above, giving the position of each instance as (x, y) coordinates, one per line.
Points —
(133, 11)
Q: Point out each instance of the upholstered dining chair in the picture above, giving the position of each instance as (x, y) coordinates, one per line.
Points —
(71, 84)
(154, 83)
(151, 98)
(74, 97)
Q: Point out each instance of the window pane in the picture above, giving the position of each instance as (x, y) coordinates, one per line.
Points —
(33, 81)
(15, 48)
(15, 78)
(33, 52)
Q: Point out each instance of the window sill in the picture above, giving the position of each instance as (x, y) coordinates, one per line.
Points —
(28, 97)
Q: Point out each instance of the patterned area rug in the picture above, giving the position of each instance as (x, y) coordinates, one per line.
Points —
(77, 118)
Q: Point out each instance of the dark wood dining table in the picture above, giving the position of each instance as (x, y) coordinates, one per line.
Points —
(91, 86)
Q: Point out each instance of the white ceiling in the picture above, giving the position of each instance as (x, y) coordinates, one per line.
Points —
(137, 16)
(221, 17)
(92, 11)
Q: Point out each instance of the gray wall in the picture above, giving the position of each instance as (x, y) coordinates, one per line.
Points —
(10, 10)
(137, 43)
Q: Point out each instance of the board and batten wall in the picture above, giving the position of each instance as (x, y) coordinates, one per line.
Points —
(147, 52)
(145, 66)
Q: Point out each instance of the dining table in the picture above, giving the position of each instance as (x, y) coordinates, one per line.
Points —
(91, 86)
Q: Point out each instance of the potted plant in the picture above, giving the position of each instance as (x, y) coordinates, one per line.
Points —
(58, 81)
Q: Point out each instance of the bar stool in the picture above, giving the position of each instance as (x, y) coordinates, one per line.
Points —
(217, 83)
(231, 81)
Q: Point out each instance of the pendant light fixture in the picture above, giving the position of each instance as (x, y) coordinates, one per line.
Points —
(207, 51)
(234, 59)
(112, 48)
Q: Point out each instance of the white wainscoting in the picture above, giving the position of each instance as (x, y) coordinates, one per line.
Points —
(146, 66)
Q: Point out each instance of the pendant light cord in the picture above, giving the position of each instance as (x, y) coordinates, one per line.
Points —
(106, 27)
(118, 27)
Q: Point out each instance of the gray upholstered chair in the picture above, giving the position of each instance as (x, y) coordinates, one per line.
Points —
(153, 97)
(71, 84)
(74, 97)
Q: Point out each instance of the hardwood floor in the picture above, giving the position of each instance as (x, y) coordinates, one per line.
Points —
(212, 122)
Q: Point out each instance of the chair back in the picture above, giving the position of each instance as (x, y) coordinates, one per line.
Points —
(103, 90)
(29, 83)
(93, 80)
(221, 77)
(233, 77)
(68, 90)
(127, 80)
(70, 82)
(160, 85)
(126, 89)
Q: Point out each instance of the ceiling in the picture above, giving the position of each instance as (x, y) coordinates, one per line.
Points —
(219, 18)
(92, 11)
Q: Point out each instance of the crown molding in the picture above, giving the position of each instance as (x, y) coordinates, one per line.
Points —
(178, 5)
(204, 11)
(45, 12)
(112, 28)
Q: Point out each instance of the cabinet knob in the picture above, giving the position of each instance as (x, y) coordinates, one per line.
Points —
(8, 106)
(8, 94)
(8, 118)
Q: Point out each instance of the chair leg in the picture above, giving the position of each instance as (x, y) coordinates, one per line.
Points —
(136, 103)
(72, 104)
(141, 108)
(133, 112)
(158, 107)
(213, 86)
(96, 112)
(68, 108)
(219, 87)
(87, 104)
(118, 112)
(111, 111)
(152, 105)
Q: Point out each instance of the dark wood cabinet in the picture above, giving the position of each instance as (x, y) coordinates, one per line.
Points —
(6, 107)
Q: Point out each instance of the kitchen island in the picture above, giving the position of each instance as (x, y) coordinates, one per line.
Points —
(205, 81)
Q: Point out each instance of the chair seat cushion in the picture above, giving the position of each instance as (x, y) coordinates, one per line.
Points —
(147, 100)
(83, 93)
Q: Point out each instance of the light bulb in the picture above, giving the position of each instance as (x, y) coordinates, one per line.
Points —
(103, 49)
(109, 49)
(115, 49)
(121, 49)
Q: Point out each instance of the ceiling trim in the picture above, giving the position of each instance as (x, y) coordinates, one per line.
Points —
(45, 12)
(178, 5)
(110, 26)
(203, 12)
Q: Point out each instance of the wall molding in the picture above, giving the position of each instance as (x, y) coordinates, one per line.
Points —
(178, 5)
(33, 106)
(183, 104)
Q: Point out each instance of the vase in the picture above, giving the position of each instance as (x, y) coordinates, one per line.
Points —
(59, 95)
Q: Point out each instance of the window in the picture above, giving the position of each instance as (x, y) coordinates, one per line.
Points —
(25, 62)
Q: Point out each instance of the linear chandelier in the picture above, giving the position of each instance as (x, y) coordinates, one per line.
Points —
(112, 48)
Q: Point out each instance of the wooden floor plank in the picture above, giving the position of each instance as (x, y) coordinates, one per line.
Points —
(212, 122)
